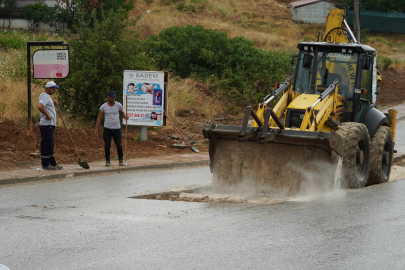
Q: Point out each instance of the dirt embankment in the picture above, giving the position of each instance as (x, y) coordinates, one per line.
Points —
(20, 146)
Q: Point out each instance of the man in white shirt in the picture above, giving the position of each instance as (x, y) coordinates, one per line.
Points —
(112, 126)
(47, 124)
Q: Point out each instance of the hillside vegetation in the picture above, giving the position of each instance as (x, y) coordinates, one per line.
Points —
(266, 24)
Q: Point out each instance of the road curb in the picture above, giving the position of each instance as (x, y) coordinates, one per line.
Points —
(18, 180)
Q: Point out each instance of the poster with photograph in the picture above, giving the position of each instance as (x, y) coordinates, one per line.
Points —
(144, 92)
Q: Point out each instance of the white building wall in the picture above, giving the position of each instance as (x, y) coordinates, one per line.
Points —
(312, 13)
(50, 3)
(17, 24)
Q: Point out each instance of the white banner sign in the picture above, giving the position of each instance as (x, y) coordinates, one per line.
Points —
(144, 92)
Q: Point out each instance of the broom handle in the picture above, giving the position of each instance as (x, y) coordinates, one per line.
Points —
(61, 117)
(126, 127)
(175, 128)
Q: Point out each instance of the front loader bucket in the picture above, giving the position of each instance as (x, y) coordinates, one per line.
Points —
(282, 159)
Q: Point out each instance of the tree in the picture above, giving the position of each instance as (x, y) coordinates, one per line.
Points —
(72, 7)
(10, 7)
(36, 13)
(57, 17)
(98, 58)
(115, 5)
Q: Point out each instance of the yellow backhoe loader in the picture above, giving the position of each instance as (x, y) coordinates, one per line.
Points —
(324, 128)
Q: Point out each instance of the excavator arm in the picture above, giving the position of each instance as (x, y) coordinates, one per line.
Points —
(336, 28)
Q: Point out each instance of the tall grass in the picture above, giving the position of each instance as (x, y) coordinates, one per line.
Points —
(10, 39)
(267, 23)
(237, 18)
(190, 95)
(13, 75)
(13, 100)
(399, 63)
(13, 64)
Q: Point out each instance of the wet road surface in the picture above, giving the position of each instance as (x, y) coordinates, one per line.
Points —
(91, 223)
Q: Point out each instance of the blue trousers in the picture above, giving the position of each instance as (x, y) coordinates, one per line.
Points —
(117, 136)
(47, 145)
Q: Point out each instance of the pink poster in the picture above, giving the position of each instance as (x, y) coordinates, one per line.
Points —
(51, 64)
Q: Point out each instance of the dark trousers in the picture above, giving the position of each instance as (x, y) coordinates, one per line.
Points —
(47, 145)
(117, 136)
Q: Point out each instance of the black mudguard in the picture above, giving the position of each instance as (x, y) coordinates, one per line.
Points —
(373, 119)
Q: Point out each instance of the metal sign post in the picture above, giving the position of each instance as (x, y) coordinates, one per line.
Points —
(36, 43)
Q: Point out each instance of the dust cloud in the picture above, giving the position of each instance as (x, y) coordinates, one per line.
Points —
(268, 174)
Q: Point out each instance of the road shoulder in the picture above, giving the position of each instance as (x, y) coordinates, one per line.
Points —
(35, 173)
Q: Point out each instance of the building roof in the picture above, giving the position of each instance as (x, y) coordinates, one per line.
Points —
(302, 3)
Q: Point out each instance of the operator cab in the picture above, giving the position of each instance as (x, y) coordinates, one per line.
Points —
(319, 64)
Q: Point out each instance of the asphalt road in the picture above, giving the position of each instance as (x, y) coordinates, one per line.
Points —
(91, 223)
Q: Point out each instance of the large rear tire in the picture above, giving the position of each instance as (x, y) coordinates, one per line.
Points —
(382, 148)
(356, 158)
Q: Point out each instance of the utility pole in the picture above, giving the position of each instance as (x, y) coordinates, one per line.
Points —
(356, 20)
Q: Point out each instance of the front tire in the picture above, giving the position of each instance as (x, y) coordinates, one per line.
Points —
(382, 149)
(356, 158)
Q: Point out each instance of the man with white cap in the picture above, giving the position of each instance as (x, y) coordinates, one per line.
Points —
(47, 124)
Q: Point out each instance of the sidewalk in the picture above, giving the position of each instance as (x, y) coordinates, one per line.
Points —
(35, 172)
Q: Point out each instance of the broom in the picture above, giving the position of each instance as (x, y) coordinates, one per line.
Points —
(80, 162)
(181, 135)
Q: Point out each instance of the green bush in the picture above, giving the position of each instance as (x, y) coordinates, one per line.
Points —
(237, 69)
(384, 62)
(187, 7)
(169, 2)
(364, 35)
(180, 6)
